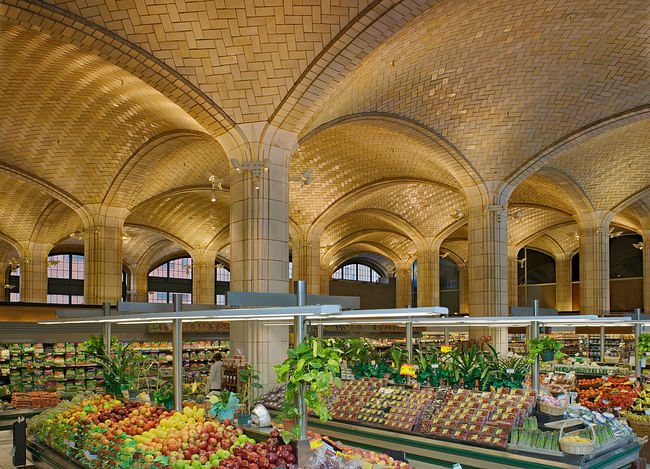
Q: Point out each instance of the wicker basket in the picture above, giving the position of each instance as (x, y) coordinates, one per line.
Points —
(571, 447)
(551, 409)
(642, 430)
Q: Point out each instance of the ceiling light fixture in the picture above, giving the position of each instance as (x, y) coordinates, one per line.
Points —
(640, 245)
(306, 178)
(517, 214)
(521, 261)
(613, 233)
(458, 214)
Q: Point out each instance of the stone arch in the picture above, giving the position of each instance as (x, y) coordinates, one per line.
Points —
(546, 155)
(452, 159)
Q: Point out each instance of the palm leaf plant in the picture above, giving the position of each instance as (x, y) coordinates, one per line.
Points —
(398, 355)
(466, 366)
(502, 373)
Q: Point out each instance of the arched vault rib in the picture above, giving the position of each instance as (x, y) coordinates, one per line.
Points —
(335, 209)
(451, 159)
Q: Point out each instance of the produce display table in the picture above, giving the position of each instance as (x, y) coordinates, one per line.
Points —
(44, 457)
(8, 417)
(425, 453)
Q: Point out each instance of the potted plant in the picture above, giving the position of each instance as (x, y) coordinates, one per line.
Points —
(546, 347)
(118, 370)
(502, 373)
(248, 378)
(398, 356)
(311, 368)
(466, 366)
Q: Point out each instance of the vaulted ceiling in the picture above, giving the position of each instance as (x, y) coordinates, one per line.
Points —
(399, 107)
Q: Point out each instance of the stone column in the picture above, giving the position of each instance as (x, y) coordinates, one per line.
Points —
(141, 282)
(646, 271)
(203, 276)
(259, 234)
(488, 266)
(488, 260)
(463, 287)
(594, 267)
(513, 279)
(33, 272)
(563, 294)
(103, 254)
(306, 260)
(403, 285)
(429, 278)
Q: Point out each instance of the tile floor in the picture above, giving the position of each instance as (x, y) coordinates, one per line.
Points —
(5, 448)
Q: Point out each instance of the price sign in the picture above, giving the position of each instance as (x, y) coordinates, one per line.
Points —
(647, 412)
(445, 348)
(407, 370)
(434, 365)
(315, 443)
(510, 371)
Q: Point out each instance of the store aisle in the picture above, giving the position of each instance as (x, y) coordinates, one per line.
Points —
(5, 449)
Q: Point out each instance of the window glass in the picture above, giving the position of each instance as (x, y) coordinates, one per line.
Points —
(160, 271)
(180, 268)
(363, 273)
(157, 297)
(77, 267)
(357, 272)
(625, 259)
(14, 297)
(220, 299)
(59, 299)
(58, 266)
(223, 274)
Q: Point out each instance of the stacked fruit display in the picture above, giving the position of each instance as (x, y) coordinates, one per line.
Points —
(353, 397)
(615, 393)
(484, 418)
(405, 412)
(102, 432)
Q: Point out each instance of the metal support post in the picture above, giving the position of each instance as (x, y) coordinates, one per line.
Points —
(602, 343)
(177, 355)
(637, 333)
(535, 335)
(107, 329)
(409, 340)
(299, 335)
(320, 331)
(446, 335)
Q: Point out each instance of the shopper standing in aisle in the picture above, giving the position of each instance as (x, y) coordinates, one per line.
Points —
(214, 380)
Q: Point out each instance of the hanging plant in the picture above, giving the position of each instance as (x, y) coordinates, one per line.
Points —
(314, 368)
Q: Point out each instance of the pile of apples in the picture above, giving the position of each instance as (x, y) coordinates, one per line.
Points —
(141, 435)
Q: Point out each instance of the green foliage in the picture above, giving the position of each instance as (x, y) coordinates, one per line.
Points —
(312, 367)
(537, 346)
(248, 378)
(644, 344)
(466, 365)
(502, 373)
(398, 355)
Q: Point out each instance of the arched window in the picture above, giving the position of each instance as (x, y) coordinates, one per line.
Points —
(357, 272)
(449, 285)
(221, 283)
(173, 276)
(65, 279)
(12, 289)
(535, 278)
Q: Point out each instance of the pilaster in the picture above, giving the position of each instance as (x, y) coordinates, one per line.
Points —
(464, 289)
(646, 271)
(513, 277)
(306, 260)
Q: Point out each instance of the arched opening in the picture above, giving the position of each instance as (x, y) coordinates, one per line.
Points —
(65, 278)
(221, 283)
(12, 284)
(357, 272)
(170, 277)
(535, 278)
(449, 285)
